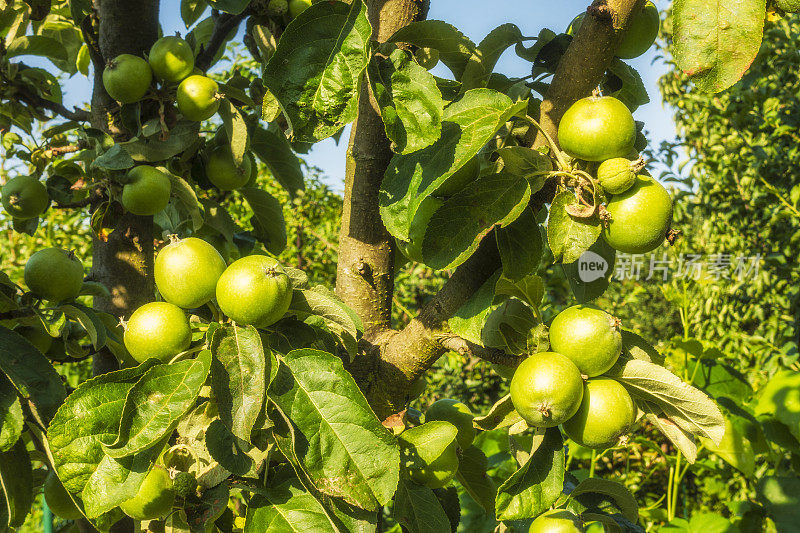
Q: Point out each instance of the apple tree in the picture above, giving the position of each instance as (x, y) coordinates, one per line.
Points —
(229, 392)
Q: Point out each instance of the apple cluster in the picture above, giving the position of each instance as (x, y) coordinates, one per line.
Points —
(189, 273)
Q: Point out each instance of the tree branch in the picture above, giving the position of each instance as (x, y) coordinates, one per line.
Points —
(406, 354)
(34, 100)
(223, 25)
(365, 272)
(454, 343)
(585, 62)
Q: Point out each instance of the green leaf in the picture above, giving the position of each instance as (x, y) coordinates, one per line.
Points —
(529, 289)
(701, 523)
(631, 90)
(16, 477)
(88, 418)
(590, 275)
(538, 483)
(455, 50)
(568, 236)
(270, 107)
(316, 70)
(526, 163)
(39, 8)
(635, 347)
(31, 374)
(410, 103)
(470, 318)
(680, 438)
(157, 401)
(228, 450)
(501, 415)
(735, 447)
(236, 128)
(272, 148)
(341, 444)
(521, 246)
(286, 508)
(115, 158)
(685, 405)
(716, 41)
(468, 124)
(153, 149)
(457, 228)
(780, 399)
(322, 302)
(89, 320)
(484, 58)
(36, 45)
(472, 466)
(236, 94)
(11, 419)
(603, 495)
(191, 10)
(234, 7)
(187, 198)
(781, 496)
(201, 514)
(117, 480)
(418, 510)
(268, 223)
(238, 374)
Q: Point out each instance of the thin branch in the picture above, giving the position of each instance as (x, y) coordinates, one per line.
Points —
(34, 100)
(466, 348)
(77, 205)
(223, 25)
(17, 313)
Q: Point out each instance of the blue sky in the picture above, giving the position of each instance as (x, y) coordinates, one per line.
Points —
(475, 18)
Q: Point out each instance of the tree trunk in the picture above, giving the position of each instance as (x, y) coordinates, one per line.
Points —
(365, 273)
(124, 262)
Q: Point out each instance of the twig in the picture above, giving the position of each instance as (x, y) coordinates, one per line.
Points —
(34, 100)
(17, 313)
(76, 205)
(467, 348)
(223, 25)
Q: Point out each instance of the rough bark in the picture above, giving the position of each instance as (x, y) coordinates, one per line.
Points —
(365, 275)
(407, 354)
(124, 262)
(585, 61)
